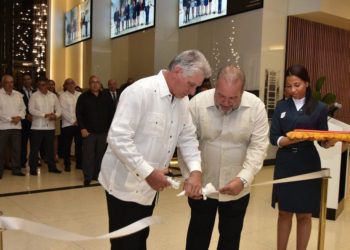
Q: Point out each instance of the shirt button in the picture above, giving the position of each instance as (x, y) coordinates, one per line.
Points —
(171, 121)
(171, 136)
(169, 152)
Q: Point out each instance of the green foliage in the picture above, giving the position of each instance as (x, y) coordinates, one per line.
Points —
(328, 98)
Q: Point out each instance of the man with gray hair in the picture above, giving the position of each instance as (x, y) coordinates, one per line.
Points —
(12, 110)
(152, 118)
(232, 128)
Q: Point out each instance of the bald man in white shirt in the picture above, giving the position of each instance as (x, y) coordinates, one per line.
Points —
(232, 128)
(12, 110)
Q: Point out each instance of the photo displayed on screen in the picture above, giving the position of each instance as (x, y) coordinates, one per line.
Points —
(195, 11)
(78, 23)
(131, 15)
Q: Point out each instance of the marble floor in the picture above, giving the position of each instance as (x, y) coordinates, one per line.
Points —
(60, 200)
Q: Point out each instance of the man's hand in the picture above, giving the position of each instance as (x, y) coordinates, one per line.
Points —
(52, 117)
(84, 133)
(328, 143)
(157, 179)
(29, 117)
(15, 119)
(193, 185)
(233, 188)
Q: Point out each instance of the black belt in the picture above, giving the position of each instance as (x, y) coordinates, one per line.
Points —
(296, 149)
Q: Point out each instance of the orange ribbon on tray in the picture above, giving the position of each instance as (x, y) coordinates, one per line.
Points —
(319, 135)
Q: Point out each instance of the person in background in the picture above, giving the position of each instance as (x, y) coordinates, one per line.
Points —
(94, 111)
(57, 142)
(126, 84)
(45, 109)
(232, 129)
(296, 157)
(12, 110)
(112, 91)
(152, 118)
(70, 129)
(27, 91)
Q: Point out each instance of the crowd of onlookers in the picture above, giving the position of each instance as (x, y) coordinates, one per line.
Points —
(36, 117)
(56, 125)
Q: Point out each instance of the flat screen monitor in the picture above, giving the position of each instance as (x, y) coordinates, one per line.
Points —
(77, 23)
(196, 11)
(128, 16)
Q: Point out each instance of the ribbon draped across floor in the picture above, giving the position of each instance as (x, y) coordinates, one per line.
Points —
(13, 223)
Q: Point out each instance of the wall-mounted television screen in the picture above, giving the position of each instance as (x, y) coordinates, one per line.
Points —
(77, 23)
(196, 11)
(129, 16)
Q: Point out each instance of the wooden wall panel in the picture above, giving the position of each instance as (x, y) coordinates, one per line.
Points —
(325, 51)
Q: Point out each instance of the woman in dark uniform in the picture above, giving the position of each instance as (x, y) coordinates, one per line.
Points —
(295, 157)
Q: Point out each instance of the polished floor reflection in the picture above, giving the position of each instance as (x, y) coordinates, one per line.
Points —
(83, 210)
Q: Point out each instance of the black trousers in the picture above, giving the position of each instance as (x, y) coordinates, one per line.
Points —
(94, 147)
(25, 132)
(203, 213)
(67, 135)
(122, 213)
(38, 139)
(11, 137)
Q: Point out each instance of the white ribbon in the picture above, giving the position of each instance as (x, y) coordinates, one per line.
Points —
(13, 223)
(324, 173)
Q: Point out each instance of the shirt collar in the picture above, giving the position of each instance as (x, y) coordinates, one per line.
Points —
(25, 89)
(163, 86)
(4, 92)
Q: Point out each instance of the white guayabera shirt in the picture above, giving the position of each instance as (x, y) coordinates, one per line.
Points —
(68, 103)
(10, 106)
(232, 145)
(41, 104)
(148, 125)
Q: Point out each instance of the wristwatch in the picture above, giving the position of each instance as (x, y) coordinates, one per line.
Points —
(245, 182)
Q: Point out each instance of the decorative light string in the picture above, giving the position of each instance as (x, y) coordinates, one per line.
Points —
(233, 56)
(22, 33)
(40, 42)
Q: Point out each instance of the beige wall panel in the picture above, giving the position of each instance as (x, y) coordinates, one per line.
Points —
(141, 54)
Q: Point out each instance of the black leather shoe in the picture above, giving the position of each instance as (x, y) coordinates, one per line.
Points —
(34, 173)
(87, 183)
(18, 174)
(55, 170)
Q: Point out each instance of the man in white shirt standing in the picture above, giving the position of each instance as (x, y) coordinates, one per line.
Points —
(152, 118)
(68, 100)
(45, 109)
(12, 110)
(232, 128)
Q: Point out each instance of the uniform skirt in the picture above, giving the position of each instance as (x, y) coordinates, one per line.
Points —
(301, 196)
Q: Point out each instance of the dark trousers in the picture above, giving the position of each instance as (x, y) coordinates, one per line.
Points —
(45, 139)
(231, 217)
(122, 213)
(94, 147)
(24, 142)
(67, 135)
(11, 137)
